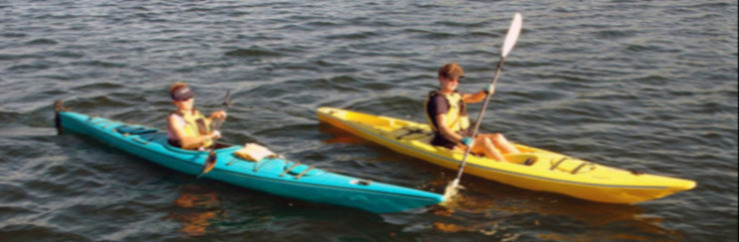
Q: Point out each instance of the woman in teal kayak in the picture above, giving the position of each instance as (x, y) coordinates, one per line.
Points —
(187, 127)
(447, 116)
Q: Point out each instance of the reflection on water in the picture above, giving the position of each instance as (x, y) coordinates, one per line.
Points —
(339, 135)
(197, 211)
(508, 205)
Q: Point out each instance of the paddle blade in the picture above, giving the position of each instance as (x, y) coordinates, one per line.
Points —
(512, 36)
(227, 100)
(209, 164)
(451, 190)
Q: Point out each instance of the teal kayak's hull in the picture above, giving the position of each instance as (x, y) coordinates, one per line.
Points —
(270, 175)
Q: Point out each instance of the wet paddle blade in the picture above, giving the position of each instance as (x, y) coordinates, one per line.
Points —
(209, 164)
(451, 190)
(227, 100)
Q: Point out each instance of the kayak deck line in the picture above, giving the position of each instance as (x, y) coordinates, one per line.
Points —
(564, 175)
(257, 164)
(290, 179)
(289, 168)
(310, 168)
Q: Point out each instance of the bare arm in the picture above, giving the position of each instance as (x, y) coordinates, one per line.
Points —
(479, 96)
(474, 97)
(220, 114)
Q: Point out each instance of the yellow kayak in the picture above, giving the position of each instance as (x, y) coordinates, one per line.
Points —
(533, 168)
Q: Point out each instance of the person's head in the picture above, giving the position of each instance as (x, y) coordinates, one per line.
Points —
(182, 97)
(450, 75)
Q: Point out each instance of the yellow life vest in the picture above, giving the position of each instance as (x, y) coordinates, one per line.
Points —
(195, 125)
(456, 118)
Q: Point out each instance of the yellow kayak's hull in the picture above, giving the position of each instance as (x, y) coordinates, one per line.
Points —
(545, 171)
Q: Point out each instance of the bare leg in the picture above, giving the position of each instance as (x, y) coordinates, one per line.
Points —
(505, 146)
(491, 151)
(483, 145)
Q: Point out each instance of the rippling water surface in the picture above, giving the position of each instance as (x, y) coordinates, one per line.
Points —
(646, 85)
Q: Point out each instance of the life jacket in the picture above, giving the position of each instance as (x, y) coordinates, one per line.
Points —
(195, 125)
(456, 117)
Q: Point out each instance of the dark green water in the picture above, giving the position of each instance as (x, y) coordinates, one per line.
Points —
(645, 85)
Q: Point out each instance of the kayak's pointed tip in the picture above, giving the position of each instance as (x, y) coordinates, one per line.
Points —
(688, 185)
(441, 199)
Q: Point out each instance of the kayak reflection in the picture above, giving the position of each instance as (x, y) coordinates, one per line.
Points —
(197, 212)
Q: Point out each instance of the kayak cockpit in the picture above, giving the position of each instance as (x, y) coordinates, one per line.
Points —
(149, 134)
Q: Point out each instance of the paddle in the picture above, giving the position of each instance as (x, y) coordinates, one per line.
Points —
(210, 162)
(510, 40)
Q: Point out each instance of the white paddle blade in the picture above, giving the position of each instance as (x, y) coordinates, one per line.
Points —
(449, 193)
(451, 190)
(512, 36)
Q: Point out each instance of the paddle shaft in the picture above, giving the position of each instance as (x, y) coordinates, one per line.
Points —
(510, 40)
(226, 103)
(498, 70)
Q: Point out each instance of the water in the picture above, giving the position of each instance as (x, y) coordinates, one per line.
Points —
(645, 85)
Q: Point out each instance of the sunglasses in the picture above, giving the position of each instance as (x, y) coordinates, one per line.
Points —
(182, 100)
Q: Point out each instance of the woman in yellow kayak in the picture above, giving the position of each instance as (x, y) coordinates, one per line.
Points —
(447, 116)
(187, 127)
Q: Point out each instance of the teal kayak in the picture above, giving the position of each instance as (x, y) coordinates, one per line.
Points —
(271, 175)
